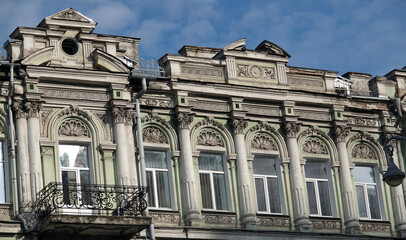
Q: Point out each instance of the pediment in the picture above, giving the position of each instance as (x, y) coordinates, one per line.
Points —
(69, 18)
(108, 62)
(272, 48)
(39, 57)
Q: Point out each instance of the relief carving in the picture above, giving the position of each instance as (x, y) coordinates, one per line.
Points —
(165, 218)
(74, 94)
(156, 102)
(326, 224)
(44, 119)
(218, 219)
(19, 110)
(260, 110)
(362, 150)
(33, 108)
(210, 137)
(263, 142)
(73, 128)
(1, 129)
(314, 115)
(238, 125)
(269, 73)
(274, 222)
(74, 111)
(118, 114)
(154, 135)
(374, 227)
(184, 120)
(69, 14)
(291, 129)
(209, 121)
(315, 146)
(362, 121)
(212, 106)
(242, 70)
(154, 117)
(341, 133)
(202, 71)
(306, 82)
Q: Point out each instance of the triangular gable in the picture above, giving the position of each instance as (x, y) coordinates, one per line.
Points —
(69, 18)
(272, 48)
(72, 15)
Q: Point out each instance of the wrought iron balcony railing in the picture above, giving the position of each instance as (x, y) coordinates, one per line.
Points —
(78, 199)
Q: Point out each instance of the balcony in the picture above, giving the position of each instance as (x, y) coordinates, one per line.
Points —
(86, 210)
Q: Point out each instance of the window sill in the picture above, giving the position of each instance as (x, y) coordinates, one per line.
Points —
(281, 215)
(324, 218)
(163, 210)
(211, 211)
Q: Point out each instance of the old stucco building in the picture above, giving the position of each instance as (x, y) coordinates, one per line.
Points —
(238, 144)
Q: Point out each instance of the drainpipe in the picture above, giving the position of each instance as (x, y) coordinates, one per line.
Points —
(141, 150)
(12, 138)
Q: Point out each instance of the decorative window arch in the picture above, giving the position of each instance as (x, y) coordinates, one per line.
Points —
(319, 151)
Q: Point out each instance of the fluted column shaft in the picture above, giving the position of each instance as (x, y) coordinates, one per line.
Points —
(188, 178)
(33, 109)
(23, 170)
(300, 211)
(244, 187)
(351, 221)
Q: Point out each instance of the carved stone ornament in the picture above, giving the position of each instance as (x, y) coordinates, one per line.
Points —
(155, 118)
(33, 108)
(263, 142)
(1, 129)
(362, 150)
(238, 125)
(274, 221)
(184, 120)
(326, 224)
(364, 136)
(341, 132)
(74, 111)
(166, 217)
(291, 129)
(19, 110)
(375, 227)
(210, 137)
(69, 14)
(209, 121)
(119, 114)
(73, 128)
(242, 70)
(315, 146)
(156, 102)
(362, 121)
(219, 219)
(129, 117)
(154, 135)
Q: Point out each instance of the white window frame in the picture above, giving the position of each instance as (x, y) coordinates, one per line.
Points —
(315, 181)
(170, 179)
(264, 178)
(5, 168)
(227, 182)
(378, 193)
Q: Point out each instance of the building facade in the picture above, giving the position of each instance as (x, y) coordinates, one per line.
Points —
(237, 143)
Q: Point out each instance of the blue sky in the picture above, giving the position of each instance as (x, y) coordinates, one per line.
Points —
(342, 35)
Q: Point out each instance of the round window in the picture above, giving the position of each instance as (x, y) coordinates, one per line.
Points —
(69, 46)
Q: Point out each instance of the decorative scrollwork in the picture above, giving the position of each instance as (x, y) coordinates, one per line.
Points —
(362, 150)
(154, 135)
(74, 111)
(210, 137)
(315, 146)
(74, 128)
(238, 125)
(291, 129)
(110, 200)
(184, 120)
(264, 142)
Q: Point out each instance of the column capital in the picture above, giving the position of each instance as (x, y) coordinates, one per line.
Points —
(291, 128)
(238, 124)
(129, 117)
(18, 108)
(184, 119)
(32, 108)
(118, 114)
(341, 132)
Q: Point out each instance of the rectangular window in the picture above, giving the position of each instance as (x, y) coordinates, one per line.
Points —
(2, 175)
(267, 185)
(367, 193)
(157, 179)
(213, 181)
(318, 189)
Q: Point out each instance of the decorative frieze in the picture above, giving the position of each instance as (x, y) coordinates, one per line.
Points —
(210, 106)
(73, 128)
(273, 221)
(263, 110)
(154, 102)
(255, 71)
(166, 217)
(74, 94)
(263, 142)
(219, 219)
(307, 83)
(315, 146)
(238, 125)
(314, 115)
(363, 150)
(210, 137)
(204, 72)
(184, 120)
(362, 121)
(326, 224)
(375, 227)
(154, 135)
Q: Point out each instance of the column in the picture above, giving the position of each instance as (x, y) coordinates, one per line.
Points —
(351, 222)
(23, 164)
(121, 158)
(188, 178)
(34, 152)
(244, 187)
(129, 120)
(398, 197)
(300, 211)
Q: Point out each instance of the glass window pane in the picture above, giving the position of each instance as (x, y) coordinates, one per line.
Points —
(2, 176)
(212, 162)
(264, 165)
(373, 202)
(206, 191)
(162, 185)
(364, 174)
(273, 192)
(220, 195)
(73, 156)
(324, 195)
(156, 159)
(315, 170)
(259, 186)
(85, 188)
(151, 193)
(361, 202)
(311, 193)
(69, 191)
